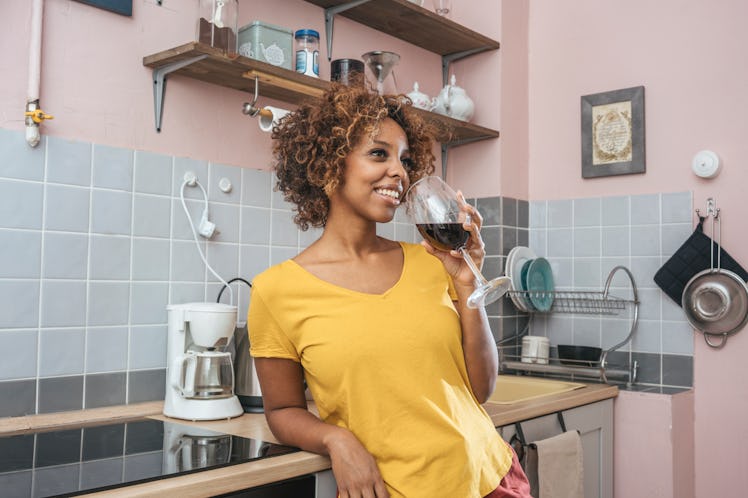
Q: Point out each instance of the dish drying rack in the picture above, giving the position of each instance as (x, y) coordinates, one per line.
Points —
(580, 302)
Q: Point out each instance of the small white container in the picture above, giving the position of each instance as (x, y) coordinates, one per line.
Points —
(535, 349)
(267, 43)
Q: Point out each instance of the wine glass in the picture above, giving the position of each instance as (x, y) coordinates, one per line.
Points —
(433, 206)
(442, 7)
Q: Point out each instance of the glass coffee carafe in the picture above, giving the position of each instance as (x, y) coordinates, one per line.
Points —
(205, 375)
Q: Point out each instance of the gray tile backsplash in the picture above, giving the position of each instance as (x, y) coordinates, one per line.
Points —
(68, 162)
(584, 239)
(21, 204)
(153, 173)
(67, 208)
(112, 168)
(106, 389)
(20, 254)
(95, 244)
(22, 363)
(19, 397)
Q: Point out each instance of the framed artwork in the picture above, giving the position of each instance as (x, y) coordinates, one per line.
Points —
(123, 7)
(613, 133)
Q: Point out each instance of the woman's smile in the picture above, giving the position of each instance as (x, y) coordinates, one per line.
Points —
(392, 194)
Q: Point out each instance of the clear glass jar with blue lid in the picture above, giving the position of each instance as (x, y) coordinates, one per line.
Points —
(307, 52)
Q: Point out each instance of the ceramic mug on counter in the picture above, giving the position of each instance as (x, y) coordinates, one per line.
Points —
(535, 349)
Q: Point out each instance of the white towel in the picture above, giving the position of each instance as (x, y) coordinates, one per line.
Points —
(555, 467)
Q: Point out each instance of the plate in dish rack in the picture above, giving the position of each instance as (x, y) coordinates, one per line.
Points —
(516, 258)
(540, 284)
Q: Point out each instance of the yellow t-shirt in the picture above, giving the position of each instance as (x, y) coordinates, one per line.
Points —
(390, 368)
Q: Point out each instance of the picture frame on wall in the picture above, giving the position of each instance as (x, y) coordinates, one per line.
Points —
(613, 133)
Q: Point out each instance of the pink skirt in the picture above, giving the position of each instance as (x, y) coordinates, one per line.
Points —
(514, 484)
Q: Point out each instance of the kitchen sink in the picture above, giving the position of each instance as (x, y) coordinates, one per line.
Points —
(514, 389)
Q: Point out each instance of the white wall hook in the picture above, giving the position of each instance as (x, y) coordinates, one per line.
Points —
(225, 185)
(705, 164)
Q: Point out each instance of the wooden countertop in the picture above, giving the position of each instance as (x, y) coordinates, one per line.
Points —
(241, 476)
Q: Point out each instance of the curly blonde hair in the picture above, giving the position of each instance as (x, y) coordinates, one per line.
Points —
(311, 144)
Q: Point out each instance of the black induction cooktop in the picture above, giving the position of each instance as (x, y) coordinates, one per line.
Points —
(80, 460)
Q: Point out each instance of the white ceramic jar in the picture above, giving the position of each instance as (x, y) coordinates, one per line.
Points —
(535, 349)
(419, 99)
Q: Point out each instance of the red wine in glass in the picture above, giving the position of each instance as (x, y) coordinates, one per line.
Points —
(444, 236)
(439, 216)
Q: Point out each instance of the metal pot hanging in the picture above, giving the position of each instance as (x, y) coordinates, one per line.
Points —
(716, 300)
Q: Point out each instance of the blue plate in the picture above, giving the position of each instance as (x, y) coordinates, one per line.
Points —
(540, 284)
(523, 283)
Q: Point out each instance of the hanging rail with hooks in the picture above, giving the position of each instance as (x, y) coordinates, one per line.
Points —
(715, 300)
(250, 109)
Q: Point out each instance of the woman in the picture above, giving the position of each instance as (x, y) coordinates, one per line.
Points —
(395, 360)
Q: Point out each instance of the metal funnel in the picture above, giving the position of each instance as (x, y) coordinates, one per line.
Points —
(381, 63)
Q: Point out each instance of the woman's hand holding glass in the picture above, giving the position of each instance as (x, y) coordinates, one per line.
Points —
(452, 227)
(455, 264)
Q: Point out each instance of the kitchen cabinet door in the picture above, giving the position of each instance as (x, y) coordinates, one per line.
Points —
(595, 425)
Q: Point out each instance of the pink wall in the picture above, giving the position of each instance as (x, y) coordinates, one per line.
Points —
(497, 82)
(475, 168)
(689, 54)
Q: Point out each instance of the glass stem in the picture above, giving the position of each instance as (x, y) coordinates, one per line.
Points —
(476, 272)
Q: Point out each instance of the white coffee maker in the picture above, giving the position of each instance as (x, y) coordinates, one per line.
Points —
(199, 374)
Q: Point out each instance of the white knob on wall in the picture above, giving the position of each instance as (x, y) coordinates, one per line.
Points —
(705, 164)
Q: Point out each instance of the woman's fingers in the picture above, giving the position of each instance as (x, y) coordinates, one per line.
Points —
(472, 223)
(473, 217)
(378, 491)
(381, 490)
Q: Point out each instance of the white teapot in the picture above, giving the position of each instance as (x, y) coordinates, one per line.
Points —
(419, 99)
(454, 102)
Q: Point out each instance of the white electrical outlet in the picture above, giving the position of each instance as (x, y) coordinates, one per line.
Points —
(190, 178)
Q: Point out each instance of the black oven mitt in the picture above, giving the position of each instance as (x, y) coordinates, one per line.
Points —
(691, 258)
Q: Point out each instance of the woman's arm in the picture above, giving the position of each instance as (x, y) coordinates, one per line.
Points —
(478, 343)
(355, 470)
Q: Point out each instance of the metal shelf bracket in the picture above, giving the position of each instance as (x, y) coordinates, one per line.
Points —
(450, 58)
(159, 85)
(330, 14)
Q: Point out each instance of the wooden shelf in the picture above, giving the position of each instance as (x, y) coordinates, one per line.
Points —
(416, 25)
(239, 73)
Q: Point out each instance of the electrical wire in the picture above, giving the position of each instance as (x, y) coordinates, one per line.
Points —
(197, 241)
